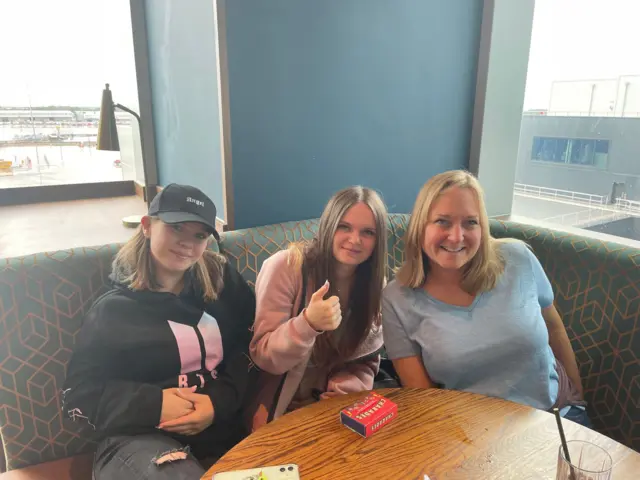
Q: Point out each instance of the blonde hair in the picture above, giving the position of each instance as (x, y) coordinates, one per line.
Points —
(483, 270)
(134, 267)
(319, 263)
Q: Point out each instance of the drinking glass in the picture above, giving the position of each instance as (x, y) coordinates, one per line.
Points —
(588, 462)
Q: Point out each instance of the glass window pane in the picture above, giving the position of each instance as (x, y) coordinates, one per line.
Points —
(580, 127)
(602, 146)
(50, 101)
(562, 150)
(582, 152)
(536, 149)
(549, 149)
(601, 156)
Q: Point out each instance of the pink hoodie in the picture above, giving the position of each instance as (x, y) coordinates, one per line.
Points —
(283, 343)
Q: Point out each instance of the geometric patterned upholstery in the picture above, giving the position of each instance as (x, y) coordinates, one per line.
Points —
(247, 249)
(44, 297)
(43, 301)
(597, 292)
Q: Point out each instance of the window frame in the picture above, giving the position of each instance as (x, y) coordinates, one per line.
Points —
(503, 62)
(567, 161)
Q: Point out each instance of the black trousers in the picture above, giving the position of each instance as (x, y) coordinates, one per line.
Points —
(132, 457)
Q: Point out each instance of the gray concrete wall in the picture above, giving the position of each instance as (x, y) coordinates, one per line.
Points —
(623, 165)
(626, 227)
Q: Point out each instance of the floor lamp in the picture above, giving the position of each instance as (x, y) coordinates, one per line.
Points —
(108, 140)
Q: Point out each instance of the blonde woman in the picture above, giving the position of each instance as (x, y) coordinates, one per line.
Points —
(318, 306)
(469, 312)
(161, 362)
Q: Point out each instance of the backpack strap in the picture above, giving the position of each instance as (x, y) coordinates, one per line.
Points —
(303, 303)
(303, 297)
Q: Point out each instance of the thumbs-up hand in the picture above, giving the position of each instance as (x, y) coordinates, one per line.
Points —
(323, 315)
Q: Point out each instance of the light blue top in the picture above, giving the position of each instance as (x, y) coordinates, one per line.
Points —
(498, 346)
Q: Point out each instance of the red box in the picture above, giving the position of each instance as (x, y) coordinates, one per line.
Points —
(369, 415)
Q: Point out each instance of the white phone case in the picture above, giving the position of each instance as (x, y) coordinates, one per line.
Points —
(277, 472)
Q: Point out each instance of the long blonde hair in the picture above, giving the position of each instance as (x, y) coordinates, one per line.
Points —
(317, 257)
(134, 267)
(483, 270)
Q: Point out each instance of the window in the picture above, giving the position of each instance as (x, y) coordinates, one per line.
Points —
(574, 151)
(578, 159)
(50, 91)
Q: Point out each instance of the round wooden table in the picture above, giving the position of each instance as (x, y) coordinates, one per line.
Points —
(440, 433)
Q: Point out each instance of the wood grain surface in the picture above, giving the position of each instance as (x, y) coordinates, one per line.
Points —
(444, 434)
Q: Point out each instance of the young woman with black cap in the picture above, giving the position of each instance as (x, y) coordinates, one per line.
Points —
(161, 370)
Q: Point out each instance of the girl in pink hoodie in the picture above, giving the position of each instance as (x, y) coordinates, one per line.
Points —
(317, 329)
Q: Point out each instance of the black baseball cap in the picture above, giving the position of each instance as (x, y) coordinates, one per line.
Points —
(183, 203)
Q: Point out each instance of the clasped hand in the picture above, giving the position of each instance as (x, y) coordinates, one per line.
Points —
(185, 412)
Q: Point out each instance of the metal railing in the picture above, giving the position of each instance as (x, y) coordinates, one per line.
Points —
(578, 113)
(631, 206)
(557, 194)
(585, 218)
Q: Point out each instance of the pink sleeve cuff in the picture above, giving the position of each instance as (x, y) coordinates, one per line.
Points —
(307, 332)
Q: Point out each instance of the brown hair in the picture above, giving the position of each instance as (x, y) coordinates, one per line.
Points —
(133, 266)
(483, 270)
(339, 345)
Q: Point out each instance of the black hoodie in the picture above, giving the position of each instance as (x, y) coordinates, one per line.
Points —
(134, 344)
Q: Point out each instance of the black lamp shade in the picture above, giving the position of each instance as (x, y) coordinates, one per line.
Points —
(107, 133)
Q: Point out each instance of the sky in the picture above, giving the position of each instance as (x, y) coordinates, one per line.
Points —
(64, 51)
(581, 40)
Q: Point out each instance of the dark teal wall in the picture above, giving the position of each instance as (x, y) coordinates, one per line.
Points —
(324, 94)
(183, 68)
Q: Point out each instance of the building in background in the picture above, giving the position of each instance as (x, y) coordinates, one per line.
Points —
(579, 159)
(591, 155)
(25, 116)
(612, 97)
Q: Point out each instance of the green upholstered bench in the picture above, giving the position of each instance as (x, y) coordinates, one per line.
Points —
(43, 299)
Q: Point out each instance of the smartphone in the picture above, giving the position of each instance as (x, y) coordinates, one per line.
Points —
(277, 472)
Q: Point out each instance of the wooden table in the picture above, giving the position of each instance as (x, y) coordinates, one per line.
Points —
(443, 434)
